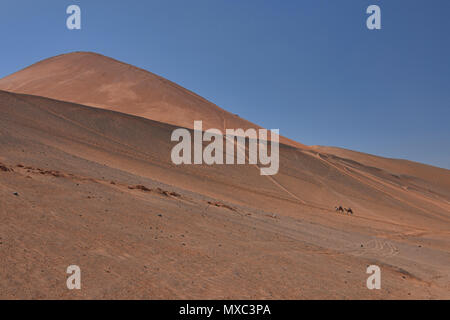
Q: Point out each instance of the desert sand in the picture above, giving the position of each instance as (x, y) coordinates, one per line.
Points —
(86, 178)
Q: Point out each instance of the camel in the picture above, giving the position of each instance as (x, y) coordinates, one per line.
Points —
(339, 209)
(349, 210)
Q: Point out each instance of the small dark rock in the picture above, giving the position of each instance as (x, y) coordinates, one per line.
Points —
(5, 168)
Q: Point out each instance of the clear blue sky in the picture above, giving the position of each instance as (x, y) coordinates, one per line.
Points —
(310, 68)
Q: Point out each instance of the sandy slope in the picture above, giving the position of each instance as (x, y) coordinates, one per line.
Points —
(404, 168)
(205, 232)
(95, 80)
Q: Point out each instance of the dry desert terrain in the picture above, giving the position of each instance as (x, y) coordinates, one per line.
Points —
(86, 179)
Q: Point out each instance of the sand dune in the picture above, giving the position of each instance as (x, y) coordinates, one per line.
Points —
(95, 80)
(95, 187)
(404, 168)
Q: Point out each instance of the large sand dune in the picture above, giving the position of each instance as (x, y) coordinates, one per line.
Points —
(95, 80)
(97, 188)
